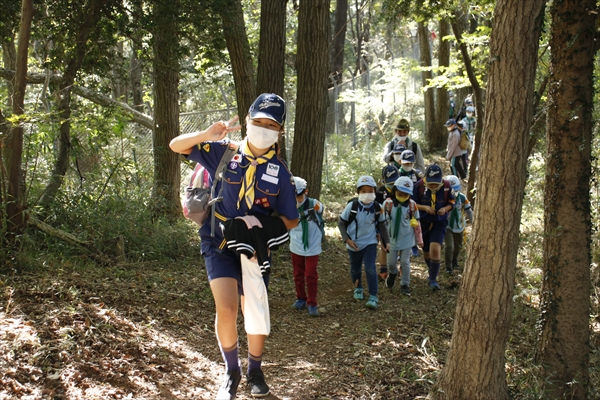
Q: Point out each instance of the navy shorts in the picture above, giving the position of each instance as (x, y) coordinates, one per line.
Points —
(226, 264)
(433, 232)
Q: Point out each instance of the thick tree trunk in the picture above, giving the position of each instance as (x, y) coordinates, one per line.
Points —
(234, 30)
(15, 201)
(426, 76)
(74, 60)
(475, 364)
(167, 174)
(271, 52)
(311, 103)
(442, 106)
(563, 346)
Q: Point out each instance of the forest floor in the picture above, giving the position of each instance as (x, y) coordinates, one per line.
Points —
(146, 331)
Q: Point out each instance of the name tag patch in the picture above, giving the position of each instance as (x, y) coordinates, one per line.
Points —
(272, 169)
(270, 178)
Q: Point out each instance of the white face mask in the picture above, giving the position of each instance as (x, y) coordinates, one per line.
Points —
(397, 157)
(469, 115)
(407, 168)
(402, 138)
(261, 138)
(366, 198)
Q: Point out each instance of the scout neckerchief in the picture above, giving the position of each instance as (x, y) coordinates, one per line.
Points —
(455, 213)
(304, 222)
(247, 187)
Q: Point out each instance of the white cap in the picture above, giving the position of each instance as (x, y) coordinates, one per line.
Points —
(300, 185)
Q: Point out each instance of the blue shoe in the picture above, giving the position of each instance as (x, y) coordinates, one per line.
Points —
(313, 311)
(299, 304)
(434, 285)
(372, 303)
(358, 294)
(415, 251)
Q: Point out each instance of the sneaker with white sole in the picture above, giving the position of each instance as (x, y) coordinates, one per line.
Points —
(372, 303)
(434, 285)
(256, 381)
(405, 290)
(228, 388)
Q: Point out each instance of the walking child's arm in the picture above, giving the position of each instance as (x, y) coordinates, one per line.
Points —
(469, 212)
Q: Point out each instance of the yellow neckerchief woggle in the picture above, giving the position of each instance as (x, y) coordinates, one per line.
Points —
(247, 187)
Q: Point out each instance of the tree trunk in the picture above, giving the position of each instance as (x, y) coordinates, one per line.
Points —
(9, 57)
(480, 107)
(135, 80)
(475, 366)
(563, 346)
(426, 76)
(74, 60)
(438, 136)
(311, 102)
(339, 40)
(271, 52)
(167, 174)
(234, 30)
(15, 201)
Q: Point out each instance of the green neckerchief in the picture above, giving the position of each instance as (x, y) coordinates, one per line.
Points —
(455, 213)
(398, 218)
(304, 223)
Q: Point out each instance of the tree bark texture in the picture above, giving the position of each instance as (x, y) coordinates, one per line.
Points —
(14, 201)
(563, 346)
(234, 30)
(475, 366)
(9, 58)
(271, 47)
(311, 102)
(479, 105)
(426, 76)
(442, 106)
(73, 63)
(167, 174)
(339, 40)
(271, 52)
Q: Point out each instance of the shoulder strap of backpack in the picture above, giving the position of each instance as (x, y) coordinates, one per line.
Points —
(232, 148)
(414, 147)
(353, 210)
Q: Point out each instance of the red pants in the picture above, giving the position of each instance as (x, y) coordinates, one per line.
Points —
(306, 277)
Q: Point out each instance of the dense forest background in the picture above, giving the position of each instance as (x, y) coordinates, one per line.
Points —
(93, 91)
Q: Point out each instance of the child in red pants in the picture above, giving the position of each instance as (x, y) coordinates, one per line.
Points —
(305, 245)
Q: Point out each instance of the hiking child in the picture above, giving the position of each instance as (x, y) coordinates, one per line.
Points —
(435, 200)
(404, 232)
(305, 246)
(457, 221)
(407, 160)
(389, 174)
(256, 183)
(401, 136)
(396, 153)
(454, 153)
(358, 225)
(470, 123)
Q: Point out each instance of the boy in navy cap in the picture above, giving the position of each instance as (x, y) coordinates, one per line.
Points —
(389, 174)
(435, 199)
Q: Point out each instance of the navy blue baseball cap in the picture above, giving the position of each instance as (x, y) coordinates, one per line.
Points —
(389, 173)
(268, 105)
(433, 174)
(450, 122)
(399, 148)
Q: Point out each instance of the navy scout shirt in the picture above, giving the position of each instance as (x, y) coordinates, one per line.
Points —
(274, 189)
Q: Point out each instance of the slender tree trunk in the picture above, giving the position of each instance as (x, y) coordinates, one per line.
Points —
(15, 201)
(339, 40)
(74, 60)
(167, 174)
(271, 52)
(311, 103)
(480, 106)
(9, 57)
(438, 136)
(563, 345)
(475, 366)
(426, 76)
(234, 30)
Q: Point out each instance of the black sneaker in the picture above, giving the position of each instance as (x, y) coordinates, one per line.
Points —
(449, 272)
(256, 381)
(391, 279)
(229, 386)
(405, 290)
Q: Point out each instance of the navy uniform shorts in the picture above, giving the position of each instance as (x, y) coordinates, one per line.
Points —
(433, 232)
(226, 264)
